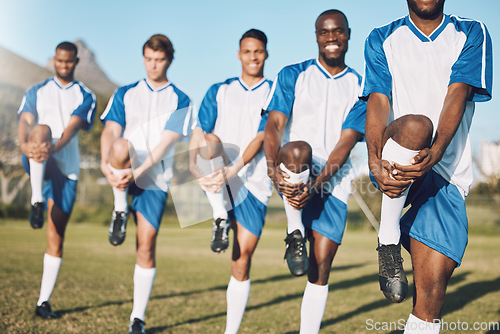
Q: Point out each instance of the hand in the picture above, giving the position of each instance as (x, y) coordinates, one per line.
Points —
(299, 201)
(285, 188)
(119, 181)
(392, 187)
(37, 152)
(232, 171)
(421, 164)
(213, 182)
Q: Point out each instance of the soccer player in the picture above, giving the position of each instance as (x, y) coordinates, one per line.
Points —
(143, 121)
(423, 74)
(231, 114)
(50, 116)
(315, 113)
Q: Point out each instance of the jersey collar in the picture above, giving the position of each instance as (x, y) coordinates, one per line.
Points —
(254, 87)
(423, 37)
(60, 85)
(327, 74)
(159, 89)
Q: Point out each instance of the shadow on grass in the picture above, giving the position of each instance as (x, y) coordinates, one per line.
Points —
(382, 302)
(457, 300)
(341, 285)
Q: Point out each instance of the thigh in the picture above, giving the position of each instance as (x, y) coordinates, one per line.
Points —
(326, 215)
(250, 213)
(149, 203)
(437, 217)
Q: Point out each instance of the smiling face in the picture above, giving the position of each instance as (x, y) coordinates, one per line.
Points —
(64, 65)
(156, 64)
(332, 36)
(252, 55)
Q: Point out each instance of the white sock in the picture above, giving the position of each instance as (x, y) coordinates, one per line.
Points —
(216, 200)
(294, 216)
(37, 172)
(120, 196)
(143, 284)
(416, 326)
(237, 298)
(313, 307)
(389, 232)
(51, 265)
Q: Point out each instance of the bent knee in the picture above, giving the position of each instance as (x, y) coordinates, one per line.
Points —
(296, 156)
(40, 133)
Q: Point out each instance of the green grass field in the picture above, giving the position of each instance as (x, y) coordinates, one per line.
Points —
(93, 293)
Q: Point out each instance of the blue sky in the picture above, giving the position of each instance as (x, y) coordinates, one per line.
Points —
(205, 35)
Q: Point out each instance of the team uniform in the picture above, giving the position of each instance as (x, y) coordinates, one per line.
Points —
(319, 106)
(232, 111)
(144, 113)
(53, 104)
(400, 56)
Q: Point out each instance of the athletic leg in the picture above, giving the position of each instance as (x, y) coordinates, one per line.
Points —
(404, 138)
(40, 135)
(322, 252)
(57, 221)
(295, 159)
(431, 273)
(119, 163)
(210, 159)
(145, 268)
(238, 289)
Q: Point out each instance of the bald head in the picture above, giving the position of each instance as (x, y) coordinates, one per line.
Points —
(327, 13)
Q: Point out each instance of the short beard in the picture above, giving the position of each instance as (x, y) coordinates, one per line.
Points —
(332, 62)
(430, 15)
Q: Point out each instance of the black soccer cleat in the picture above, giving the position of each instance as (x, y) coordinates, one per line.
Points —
(220, 238)
(44, 311)
(296, 253)
(391, 275)
(36, 215)
(136, 327)
(117, 228)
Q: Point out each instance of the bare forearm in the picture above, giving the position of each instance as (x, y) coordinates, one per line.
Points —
(377, 115)
(338, 156)
(167, 142)
(253, 148)
(450, 118)
(69, 132)
(272, 142)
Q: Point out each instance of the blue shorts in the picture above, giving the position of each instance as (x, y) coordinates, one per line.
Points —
(437, 217)
(57, 185)
(150, 203)
(326, 215)
(250, 212)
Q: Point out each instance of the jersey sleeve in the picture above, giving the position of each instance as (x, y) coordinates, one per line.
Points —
(86, 110)
(180, 120)
(115, 110)
(355, 120)
(263, 121)
(28, 104)
(282, 94)
(474, 65)
(377, 77)
(207, 114)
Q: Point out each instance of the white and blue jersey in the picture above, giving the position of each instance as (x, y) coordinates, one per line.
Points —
(144, 113)
(233, 112)
(319, 106)
(53, 104)
(415, 70)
